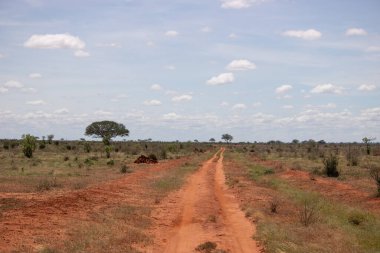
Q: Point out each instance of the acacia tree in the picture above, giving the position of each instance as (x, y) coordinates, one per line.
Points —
(212, 140)
(106, 130)
(227, 137)
(367, 142)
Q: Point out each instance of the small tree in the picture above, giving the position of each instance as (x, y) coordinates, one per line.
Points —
(331, 166)
(108, 150)
(367, 142)
(50, 138)
(374, 172)
(106, 130)
(28, 144)
(227, 137)
(212, 140)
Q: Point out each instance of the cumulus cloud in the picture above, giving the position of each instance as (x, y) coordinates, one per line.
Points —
(310, 34)
(152, 102)
(171, 116)
(224, 103)
(205, 29)
(171, 33)
(36, 102)
(367, 87)
(356, 32)
(35, 75)
(283, 89)
(182, 98)
(55, 41)
(28, 90)
(232, 36)
(221, 79)
(239, 4)
(3, 90)
(81, 53)
(373, 49)
(170, 67)
(239, 106)
(102, 113)
(240, 65)
(327, 89)
(13, 84)
(287, 107)
(62, 111)
(156, 87)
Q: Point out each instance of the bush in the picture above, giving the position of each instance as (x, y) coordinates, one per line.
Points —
(111, 162)
(42, 145)
(46, 184)
(6, 145)
(206, 247)
(331, 166)
(87, 147)
(308, 213)
(66, 158)
(374, 172)
(28, 145)
(356, 218)
(153, 157)
(125, 169)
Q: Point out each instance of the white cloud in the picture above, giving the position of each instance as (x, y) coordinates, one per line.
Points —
(327, 88)
(171, 33)
(257, 104)
(102, 113)
(28, 90)
(223, 78)
(3, 90)
(283, 89)
(13, 84)
(35, 75)
(152, 102)
(240, 65)
(367, 87)
(150, 44)
(81, 53)
(224, 103)
(182, 98)
(239, 106)
(310, 34)
(232, 36)
(373, 49)
(170, 67)
(356, 32)
(36, 102)
(110, 44)
(287, 107)
(239, 4)
(205, 29)
(156, 87)
(171, 116)
(54, 41)
(62, 111)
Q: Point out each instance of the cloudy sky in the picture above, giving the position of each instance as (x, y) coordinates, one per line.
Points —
(191, 69)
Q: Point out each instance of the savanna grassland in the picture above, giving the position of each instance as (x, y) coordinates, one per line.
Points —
(296, 197)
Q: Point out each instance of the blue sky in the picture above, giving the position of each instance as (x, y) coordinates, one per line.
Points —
(191, 69)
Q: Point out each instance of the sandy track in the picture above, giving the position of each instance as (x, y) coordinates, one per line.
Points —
(204, 210)
(50, 215)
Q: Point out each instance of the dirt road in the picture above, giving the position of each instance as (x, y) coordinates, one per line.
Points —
(204, 210)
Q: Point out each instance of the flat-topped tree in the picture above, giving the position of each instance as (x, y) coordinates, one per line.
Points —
(106, 130)
(227, 137)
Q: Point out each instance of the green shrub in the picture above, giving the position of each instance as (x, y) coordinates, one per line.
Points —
(206, 247)
(111, 162)
(28, 145)
(42, 146)
(331, 166)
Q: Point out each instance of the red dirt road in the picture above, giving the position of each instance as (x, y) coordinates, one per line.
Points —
(204, 210)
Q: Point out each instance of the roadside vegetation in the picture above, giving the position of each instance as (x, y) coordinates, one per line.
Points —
(308, 197)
